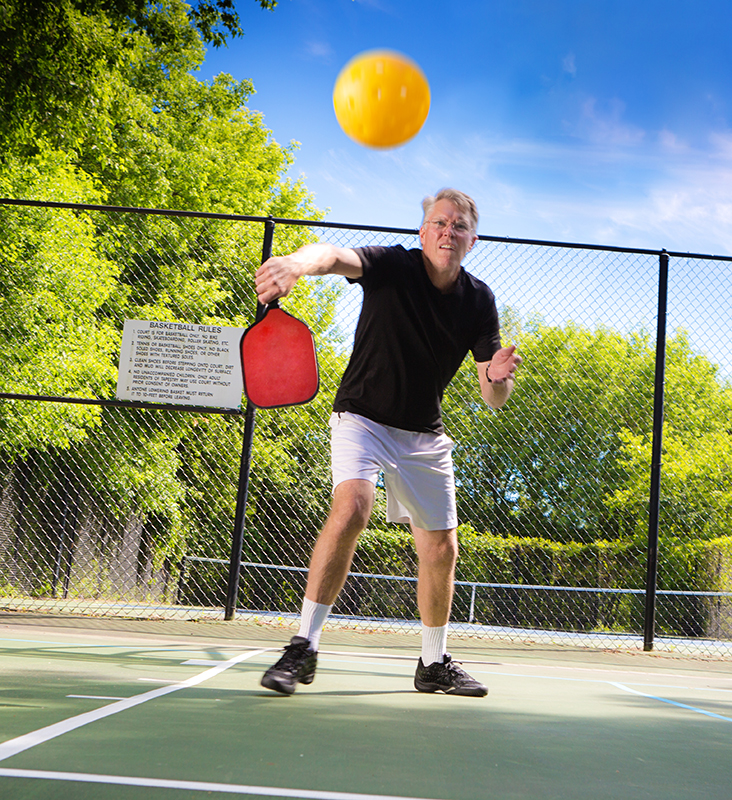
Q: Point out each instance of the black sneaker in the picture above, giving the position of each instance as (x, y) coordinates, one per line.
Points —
(447, 677)
(297, 665)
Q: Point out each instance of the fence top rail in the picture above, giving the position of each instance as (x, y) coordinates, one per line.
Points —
(315, 223)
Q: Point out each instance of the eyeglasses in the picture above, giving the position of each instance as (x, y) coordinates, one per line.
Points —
(459, 227)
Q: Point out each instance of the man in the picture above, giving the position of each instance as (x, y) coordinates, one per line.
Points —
(421, 314)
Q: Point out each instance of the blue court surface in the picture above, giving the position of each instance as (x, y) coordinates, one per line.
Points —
(162, 710)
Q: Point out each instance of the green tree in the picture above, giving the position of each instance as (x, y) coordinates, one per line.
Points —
(568, 458)
(142, 131)
(59, 61)
(542, 465)
(696, 470)
(53, 283)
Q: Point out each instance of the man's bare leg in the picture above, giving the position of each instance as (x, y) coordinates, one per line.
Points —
(329, 565)
(334, 549)
(437, 554)
(436, 672)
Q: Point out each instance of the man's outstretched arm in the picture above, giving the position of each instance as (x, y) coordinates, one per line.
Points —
(276, 277)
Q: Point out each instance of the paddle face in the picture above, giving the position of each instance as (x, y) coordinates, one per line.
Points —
(279, 364)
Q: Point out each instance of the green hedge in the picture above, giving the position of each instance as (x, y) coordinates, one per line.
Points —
(695, 565)
(685, 565)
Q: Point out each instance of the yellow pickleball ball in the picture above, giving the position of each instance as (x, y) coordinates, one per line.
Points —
(381, 98)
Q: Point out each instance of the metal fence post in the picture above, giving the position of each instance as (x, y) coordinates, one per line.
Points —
(237, 539)
(656, 455)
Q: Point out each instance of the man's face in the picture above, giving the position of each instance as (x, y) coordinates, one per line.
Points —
(446, 236)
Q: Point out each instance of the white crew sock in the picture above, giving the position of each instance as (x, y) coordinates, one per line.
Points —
(312, 620)
(434, 644)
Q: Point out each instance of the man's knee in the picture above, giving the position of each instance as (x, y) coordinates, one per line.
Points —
(437, 548)
(353, 502)
(447, 551)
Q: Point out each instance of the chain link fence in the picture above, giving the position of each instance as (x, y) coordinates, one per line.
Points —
(117, 508)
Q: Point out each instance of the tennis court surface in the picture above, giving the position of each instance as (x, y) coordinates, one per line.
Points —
(95, 708)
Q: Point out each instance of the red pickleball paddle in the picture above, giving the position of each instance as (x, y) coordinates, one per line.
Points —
(279, 363)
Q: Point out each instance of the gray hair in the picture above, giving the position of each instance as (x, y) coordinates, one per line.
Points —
(462, 201)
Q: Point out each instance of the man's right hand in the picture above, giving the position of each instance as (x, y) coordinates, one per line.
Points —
(275, 278)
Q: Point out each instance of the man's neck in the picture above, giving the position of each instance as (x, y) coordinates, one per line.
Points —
(443, 279)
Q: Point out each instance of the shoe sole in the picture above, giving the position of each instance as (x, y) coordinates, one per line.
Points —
(270, 682)
(284, 687)
(422, 686)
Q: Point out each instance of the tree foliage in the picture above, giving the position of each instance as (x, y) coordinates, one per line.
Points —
(53, 283)
(568, 458)
(62, 63)
(696, 473)
(102, 106)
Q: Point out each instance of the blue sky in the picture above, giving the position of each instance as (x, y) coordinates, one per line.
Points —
(602, 121)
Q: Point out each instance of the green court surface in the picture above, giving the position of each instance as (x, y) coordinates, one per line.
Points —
(114, 709)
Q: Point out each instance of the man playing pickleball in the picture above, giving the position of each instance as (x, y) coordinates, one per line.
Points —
(421, 314)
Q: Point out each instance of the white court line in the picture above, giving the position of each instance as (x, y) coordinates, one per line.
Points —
(28, 740)
(198, 786)
(601, 681)
(94, 697)
(561, 678)
(671, 702)
(489, 665)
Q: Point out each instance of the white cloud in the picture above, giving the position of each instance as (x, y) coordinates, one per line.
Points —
(690, 208)
(322, 51)
(603, 122)
(659, 192)
(671, 143)
(722, 144)
(568, 64)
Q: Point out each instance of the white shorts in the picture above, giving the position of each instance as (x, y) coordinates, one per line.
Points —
(417, 467)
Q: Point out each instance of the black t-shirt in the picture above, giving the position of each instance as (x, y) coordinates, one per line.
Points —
(411, 339)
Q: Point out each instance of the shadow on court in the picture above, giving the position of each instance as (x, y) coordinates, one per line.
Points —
(180, 717)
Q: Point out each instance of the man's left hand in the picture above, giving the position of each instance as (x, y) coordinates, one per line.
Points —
(503, 365)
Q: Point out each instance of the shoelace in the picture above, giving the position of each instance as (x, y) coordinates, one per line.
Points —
(291, 654)
(455, 668)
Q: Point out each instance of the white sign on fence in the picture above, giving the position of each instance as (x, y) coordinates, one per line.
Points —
(180, 363)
